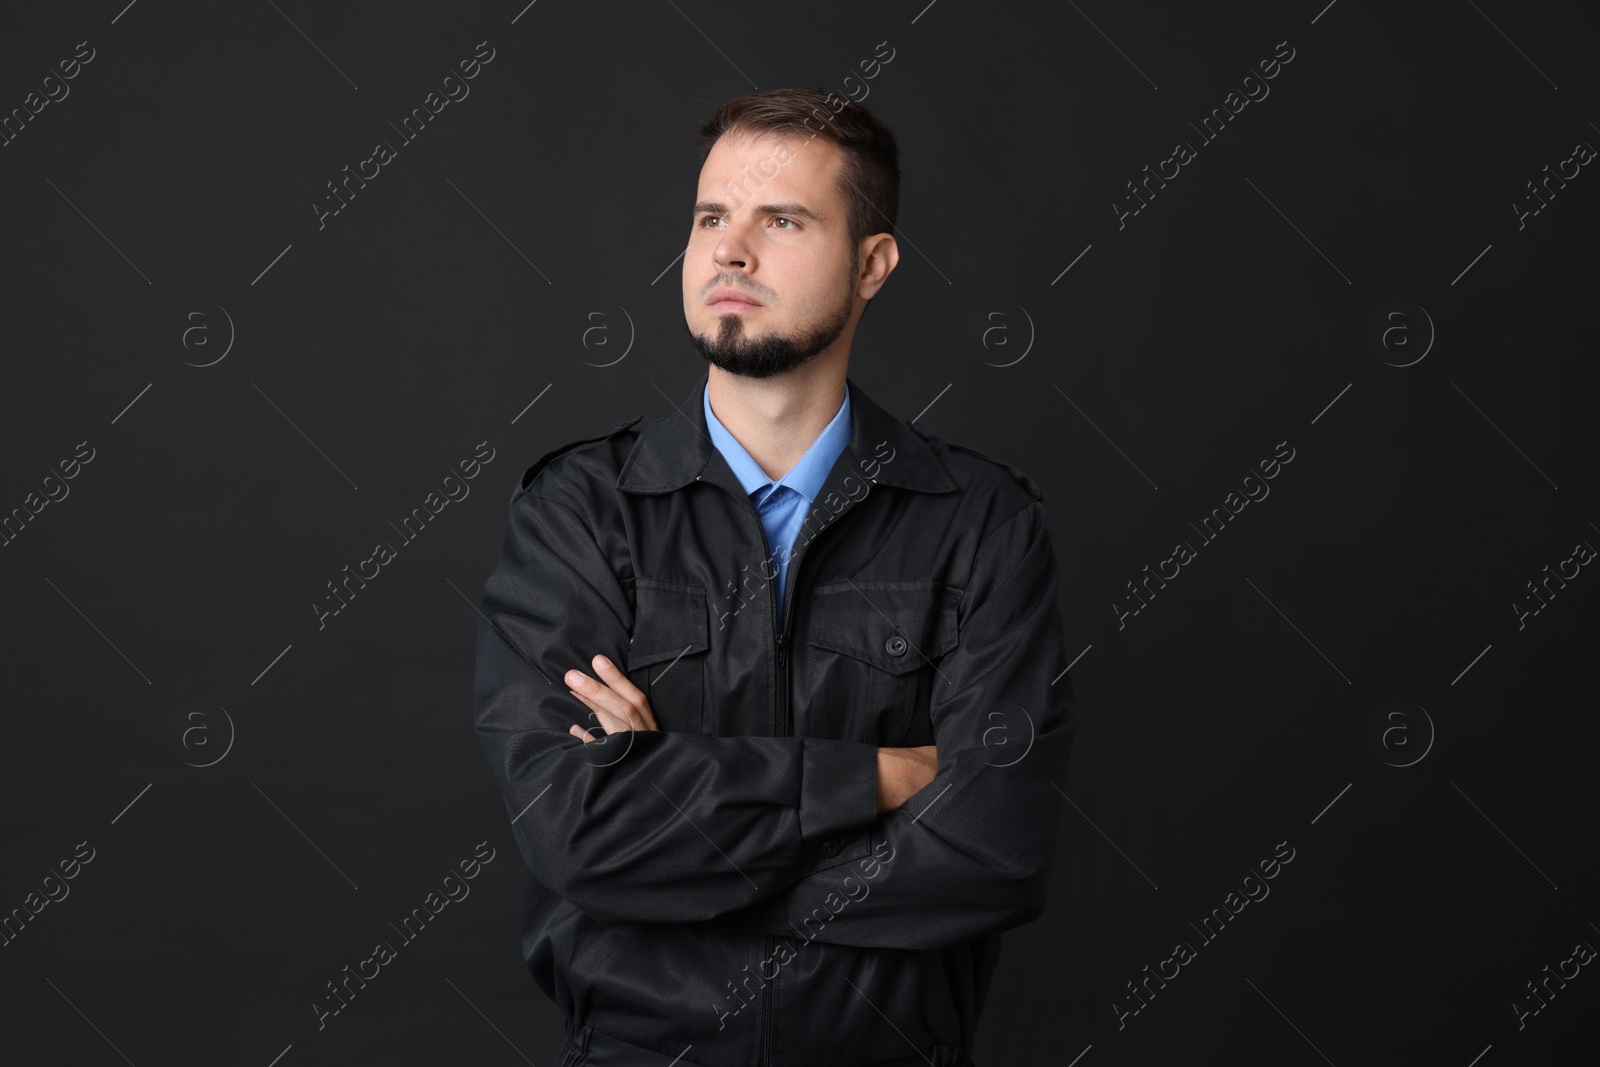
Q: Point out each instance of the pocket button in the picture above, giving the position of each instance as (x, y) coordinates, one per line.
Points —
(830, 847)
(895, 646)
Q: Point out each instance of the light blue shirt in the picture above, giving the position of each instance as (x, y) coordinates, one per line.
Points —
(782, 505)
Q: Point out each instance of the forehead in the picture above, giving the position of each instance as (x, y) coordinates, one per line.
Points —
(774, 165)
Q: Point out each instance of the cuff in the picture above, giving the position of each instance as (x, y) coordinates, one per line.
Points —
(838, 789)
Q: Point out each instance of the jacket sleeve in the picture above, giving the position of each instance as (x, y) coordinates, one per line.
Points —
(636, 825)
(968, 855)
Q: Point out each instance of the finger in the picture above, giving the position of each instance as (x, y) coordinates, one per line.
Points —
(623, 686)
(613, 677)
(579, 732)
(600, 696)
(610, 721)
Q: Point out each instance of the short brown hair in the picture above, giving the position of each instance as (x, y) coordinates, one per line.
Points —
(870, 178)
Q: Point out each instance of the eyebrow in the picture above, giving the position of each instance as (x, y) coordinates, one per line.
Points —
(798, 210)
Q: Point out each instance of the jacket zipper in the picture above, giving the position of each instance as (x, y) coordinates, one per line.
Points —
(780, 715)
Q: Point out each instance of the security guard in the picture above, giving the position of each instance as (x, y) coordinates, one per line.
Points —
(777, 801)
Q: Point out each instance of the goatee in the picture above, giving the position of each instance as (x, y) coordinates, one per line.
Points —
(762, 357)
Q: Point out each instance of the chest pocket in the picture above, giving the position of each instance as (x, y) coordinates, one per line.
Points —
(872, 647)
(667, 656)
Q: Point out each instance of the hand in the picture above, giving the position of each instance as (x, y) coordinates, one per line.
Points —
(617, 703)
(902, 772)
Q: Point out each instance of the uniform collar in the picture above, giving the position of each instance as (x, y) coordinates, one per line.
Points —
(809, 471)
(676, 449)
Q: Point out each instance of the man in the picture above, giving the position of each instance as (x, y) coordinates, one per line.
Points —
(774, 686)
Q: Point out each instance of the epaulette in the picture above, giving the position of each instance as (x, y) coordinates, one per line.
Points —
(1017, 474)
(533, 471)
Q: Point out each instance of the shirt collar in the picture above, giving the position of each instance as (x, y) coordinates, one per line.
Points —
(808, 473)
(675, 450)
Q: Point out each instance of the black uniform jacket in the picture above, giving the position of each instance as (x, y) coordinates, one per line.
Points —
(723, 889)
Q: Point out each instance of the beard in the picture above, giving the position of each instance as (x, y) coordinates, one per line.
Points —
(733, 350)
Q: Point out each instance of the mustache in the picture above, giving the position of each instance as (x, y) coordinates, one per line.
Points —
(730, 283)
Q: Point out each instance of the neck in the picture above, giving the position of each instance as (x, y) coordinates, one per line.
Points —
(776, 419)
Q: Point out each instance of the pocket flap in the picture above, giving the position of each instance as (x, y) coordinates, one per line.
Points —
(670, 620)
(895, 626)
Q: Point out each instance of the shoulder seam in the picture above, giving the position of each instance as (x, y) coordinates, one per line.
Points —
(532, 471)
(1015, 473)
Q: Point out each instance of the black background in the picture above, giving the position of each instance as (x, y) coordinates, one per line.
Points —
(160, 615)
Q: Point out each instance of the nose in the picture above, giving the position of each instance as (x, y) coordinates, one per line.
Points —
(731, 250)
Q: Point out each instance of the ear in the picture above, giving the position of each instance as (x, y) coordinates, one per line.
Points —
(880, 254)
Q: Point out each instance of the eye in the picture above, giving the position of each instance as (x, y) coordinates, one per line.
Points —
(781, 218)
(708, 218)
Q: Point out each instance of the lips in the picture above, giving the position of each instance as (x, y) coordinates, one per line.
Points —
(727, 299)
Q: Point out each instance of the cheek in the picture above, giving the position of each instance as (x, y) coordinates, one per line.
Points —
(698, 260)
(691, 277)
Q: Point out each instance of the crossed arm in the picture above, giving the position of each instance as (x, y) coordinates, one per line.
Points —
(618, 704)
(649, 826)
